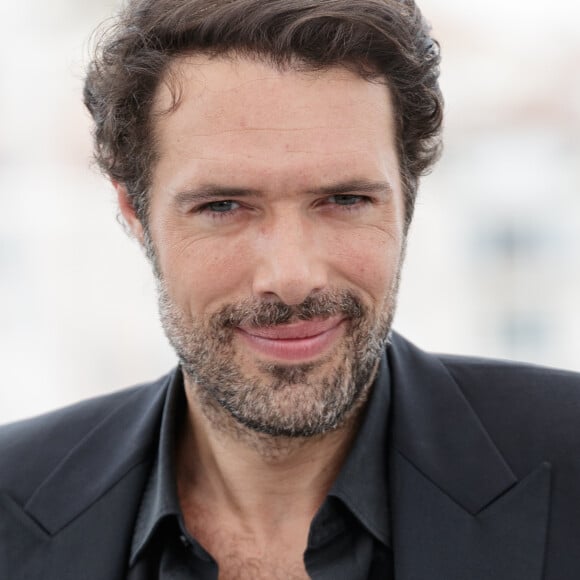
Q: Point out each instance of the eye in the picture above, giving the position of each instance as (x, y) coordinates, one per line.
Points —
(220, 207)
(346, 199)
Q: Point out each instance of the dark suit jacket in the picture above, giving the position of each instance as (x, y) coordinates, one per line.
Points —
(485, 475)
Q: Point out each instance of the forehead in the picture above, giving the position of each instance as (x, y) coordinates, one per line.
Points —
(250, 113)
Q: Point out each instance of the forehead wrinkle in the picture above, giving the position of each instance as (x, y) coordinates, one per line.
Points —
(268, 130)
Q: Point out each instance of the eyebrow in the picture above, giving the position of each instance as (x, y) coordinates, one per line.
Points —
(211, 192)
(353, 186)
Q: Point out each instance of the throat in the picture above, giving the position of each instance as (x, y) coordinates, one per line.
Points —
(249, 499)
(244, 550)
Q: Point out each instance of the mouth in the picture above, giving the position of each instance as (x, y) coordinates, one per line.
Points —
(295, 342)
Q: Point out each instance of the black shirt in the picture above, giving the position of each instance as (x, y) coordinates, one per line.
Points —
(349, 536)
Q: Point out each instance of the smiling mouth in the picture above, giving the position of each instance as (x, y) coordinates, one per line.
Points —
(299, 341)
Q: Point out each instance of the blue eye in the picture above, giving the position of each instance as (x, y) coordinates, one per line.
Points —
(346, 200)
(224, 206)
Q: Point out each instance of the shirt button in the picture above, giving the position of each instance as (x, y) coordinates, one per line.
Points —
(184, 541)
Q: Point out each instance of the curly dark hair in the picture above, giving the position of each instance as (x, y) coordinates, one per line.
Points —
(385, 40)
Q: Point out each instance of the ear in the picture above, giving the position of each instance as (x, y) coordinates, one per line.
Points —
(128, 211)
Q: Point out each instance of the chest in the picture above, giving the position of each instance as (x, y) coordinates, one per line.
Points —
(235, 566)
(240, 556)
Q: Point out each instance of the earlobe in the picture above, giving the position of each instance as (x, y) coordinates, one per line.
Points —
(128, 211)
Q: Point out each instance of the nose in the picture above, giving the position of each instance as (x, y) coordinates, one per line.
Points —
(289, 262)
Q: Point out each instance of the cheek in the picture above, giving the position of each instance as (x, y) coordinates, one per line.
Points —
(369, 261)
(205, 273)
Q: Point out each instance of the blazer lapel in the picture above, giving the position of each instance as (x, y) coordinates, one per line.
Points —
(93, 546)
(458, 510)
(79, 522)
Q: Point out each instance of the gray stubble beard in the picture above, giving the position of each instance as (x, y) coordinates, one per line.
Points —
(279, 401)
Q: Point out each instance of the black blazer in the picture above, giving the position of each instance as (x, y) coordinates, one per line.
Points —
(485, 475)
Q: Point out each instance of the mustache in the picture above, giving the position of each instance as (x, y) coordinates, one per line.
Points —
(259, 313)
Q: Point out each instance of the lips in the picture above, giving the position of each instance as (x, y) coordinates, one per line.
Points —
(298, 341)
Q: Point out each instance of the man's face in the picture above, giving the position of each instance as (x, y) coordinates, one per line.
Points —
(277, 226)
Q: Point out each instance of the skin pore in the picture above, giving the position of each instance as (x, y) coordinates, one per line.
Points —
(277, 231)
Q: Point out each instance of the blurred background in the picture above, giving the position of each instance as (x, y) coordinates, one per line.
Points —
(493, 265)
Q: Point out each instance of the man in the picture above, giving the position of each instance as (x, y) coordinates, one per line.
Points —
(267, 154)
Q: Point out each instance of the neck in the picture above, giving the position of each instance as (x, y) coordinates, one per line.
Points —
(253, 477)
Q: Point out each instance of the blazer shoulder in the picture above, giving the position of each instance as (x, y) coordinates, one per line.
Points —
(510, 375)
(474, 374)
(31, 448)
(531, 412)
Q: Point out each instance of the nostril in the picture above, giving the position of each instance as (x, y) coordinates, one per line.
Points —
(288, 283)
